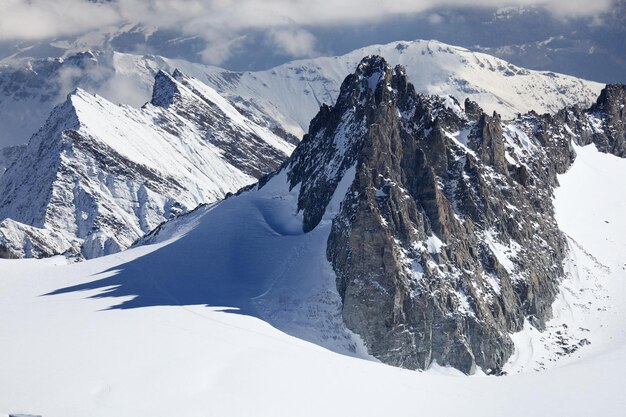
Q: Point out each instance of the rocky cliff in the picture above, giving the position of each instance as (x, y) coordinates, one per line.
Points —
(446, 240)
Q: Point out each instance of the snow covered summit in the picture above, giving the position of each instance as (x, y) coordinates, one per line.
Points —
(292, 93)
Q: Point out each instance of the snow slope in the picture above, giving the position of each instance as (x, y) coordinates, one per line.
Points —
(131, 335)
(288, 96)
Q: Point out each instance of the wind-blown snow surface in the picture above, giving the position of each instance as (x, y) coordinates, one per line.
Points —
(289, 95)
(129, 334)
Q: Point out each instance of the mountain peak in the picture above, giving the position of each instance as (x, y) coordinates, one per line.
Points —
(373, 69)
(376, 103)
(611, 105)
(374, 74)
(178, 74)
(124, 169)
(165, 89)
(78, 93)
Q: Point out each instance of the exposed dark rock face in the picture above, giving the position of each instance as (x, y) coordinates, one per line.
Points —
(472, 109)
(446, 240)
(609, 136)
(490, 147)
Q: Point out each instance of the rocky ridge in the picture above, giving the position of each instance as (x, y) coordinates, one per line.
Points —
(97, 176)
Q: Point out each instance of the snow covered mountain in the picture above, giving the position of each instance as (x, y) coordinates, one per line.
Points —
(80, 354)
(287, 97)
(443, 240)
(98, 176)
(404, 226)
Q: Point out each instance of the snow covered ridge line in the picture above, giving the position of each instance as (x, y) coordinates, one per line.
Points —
(291, 93)
(285, 98)
(96, 177)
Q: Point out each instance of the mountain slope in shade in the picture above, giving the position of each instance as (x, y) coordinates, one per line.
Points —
(98, 176)
(8, 155)
(425, 228)
(287, 97)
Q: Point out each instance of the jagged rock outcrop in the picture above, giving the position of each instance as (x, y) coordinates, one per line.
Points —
(97, 176)
(446, 240)
(606, 122)
(490, 147)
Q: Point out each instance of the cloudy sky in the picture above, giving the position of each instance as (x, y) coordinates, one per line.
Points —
(225, 23)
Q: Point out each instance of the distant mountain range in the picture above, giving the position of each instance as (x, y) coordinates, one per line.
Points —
(283, 99)
(529, 36)
(533, 37)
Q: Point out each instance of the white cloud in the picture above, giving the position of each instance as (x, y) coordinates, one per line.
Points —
(222, 23)
(40, 19)
(99, 77)
(435, 19)
(294, 42)
(220, 49)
